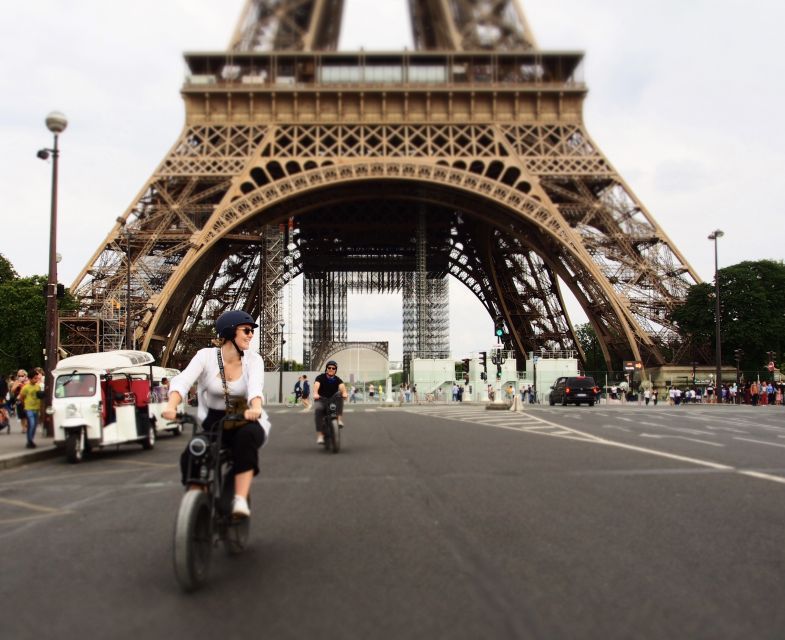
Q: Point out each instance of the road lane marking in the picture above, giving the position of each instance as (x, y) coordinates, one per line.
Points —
(763, 476)
(651, 435)
(28, 505)
(770, 444)
(561, 431)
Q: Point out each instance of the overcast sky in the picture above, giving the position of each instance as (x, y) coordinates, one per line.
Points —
(685, 100)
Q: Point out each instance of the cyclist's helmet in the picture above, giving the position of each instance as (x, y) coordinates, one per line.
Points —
(331, 363)
(229, 321)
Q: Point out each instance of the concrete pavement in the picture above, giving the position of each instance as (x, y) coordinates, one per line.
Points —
(13, 451)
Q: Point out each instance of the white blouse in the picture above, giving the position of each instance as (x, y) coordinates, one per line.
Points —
(203, 370)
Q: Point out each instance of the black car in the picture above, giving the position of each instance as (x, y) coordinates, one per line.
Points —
(574, 389)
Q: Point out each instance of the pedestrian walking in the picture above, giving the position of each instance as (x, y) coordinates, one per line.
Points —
(19, 383)
(5, 418)
(306, 393)
(30, 396)
(298, 390)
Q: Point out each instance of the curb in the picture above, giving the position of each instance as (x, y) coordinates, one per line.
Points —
(10, 460)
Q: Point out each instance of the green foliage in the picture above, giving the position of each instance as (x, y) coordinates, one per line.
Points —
(7, 271)
(752, 312)
(595, 361)
(22, 323)
(23, 318)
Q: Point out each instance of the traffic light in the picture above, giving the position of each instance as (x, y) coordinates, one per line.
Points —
(466, 365)
(498, 327)
(498, 372)
(483, 375)
(738, 354)
(484, 361)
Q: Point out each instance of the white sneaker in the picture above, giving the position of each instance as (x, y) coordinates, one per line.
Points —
(320, 439)
(240, 507)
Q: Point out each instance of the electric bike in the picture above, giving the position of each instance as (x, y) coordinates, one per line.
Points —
(330, 427)
(204, 518)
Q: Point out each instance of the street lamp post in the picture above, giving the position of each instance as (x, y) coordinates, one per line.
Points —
(280, 366)
(56, 122)
(738, 354)
(716, 235)
(128, 332)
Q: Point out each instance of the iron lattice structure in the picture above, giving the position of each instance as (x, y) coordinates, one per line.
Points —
(386, 171)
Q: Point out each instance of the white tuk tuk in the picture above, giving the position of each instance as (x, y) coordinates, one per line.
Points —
(103, 399)
(159, 395)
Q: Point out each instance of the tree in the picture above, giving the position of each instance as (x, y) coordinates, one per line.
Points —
(595, 361)
(752, 312)
(7, 271)
(22, 323)
(23, 318)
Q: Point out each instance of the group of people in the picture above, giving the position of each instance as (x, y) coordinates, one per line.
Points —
(755, 393)
(21, 397)
(302, 392)
(407, 394)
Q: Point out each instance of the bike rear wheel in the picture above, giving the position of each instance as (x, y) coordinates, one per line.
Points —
(193, 540)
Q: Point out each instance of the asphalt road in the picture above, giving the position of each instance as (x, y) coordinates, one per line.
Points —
(440, 522)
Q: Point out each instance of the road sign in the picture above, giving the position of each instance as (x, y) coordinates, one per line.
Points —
(633, 365)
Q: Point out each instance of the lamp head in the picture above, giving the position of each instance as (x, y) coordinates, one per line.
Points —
(43, 154)
(716, 234)
(56, 122)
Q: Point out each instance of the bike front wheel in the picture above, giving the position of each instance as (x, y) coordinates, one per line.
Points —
(193, 540)
(335, 435)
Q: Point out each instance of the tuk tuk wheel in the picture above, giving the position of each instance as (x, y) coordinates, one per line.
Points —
(149, 441)
(75, 446)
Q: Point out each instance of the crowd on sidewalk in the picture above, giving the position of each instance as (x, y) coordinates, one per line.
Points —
(755, 393)
(21, 400)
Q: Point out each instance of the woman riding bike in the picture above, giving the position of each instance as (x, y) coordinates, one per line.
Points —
(325, 386)
(230, 380)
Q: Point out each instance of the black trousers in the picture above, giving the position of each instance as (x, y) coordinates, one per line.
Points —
(244, 443)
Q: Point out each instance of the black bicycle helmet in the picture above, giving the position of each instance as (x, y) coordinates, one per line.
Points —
(331, 363)
(228, 322)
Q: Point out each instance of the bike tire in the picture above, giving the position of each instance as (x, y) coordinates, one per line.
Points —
(335, 435)
(192, 540)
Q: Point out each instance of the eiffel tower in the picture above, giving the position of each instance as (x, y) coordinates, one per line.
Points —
(379, 172)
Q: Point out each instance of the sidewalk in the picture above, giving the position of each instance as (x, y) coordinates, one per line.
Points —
(13, 451)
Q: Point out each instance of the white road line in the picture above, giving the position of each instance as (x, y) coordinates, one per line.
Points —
(763, 476)
(651, 435)
(770, 444)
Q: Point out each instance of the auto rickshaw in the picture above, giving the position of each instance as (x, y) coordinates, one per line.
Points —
(159, 395)
(103, 399)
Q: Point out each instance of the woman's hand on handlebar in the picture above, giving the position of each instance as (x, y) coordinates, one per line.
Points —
(316, 396)
(169, 414)
(252, 415)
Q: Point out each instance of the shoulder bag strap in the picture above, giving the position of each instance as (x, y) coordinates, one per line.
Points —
(223, 378)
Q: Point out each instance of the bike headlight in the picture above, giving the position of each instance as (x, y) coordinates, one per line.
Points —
(197, 447)
(333, 406)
